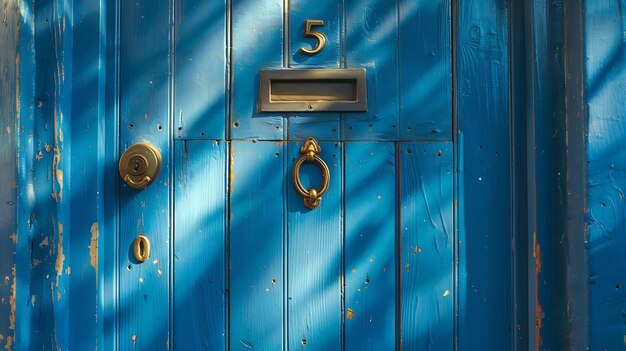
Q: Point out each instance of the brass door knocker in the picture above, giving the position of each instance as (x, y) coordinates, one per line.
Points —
(310, 153)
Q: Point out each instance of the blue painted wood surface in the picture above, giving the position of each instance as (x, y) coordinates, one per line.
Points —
(200, 316)
(85, 185)
(606, 171)
(43, 250)
(547, 189)
(427, 246)
(315, 256)
(425, 70)
(200, 70)
(144, 288)
(257, 264)
(331, 278)
(483, 154)
(371, 42)
(8, 185)
(257, 43)
(370, 241)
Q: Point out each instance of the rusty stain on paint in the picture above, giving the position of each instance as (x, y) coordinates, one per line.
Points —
(539, 315)
(350, 313)
(12, 306)
(93, 249)
(58, 266)
(231, 174)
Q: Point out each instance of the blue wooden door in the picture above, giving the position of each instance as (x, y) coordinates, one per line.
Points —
(237, 261)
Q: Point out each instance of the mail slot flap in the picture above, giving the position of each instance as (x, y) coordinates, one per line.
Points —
(313, 90)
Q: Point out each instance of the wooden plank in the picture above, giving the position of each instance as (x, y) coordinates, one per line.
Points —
(199, 260)
(484, 242)
(200, 69)
(44, 98)
(144, 111)
(425, 72)
(257, 43)
(427, 246)
(371, 42)
(370, 251)
(321, 125)
(257, 189)
(315, 255)
(8, 161)
(606, 171)
(85, 187)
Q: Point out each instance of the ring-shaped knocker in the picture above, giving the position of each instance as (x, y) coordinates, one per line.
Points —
(310, 153)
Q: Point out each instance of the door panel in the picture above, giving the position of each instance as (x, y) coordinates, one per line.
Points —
(201, 78)
(370, 271)
(314, 246)
(144, 115)
(425, 78)
(257, 268)
(371, 43)
(427, 246)
(257, 43)
(199, 245)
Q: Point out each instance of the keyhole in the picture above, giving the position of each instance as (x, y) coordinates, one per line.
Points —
(138, 165)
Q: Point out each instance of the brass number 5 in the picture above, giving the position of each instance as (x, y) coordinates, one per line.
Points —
(321, 38)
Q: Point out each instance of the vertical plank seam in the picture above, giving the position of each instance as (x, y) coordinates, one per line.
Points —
(170, 132)
(285, 148)
(398, 245)
(454, 42)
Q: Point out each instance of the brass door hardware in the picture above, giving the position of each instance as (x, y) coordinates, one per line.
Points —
(310, 153)
(313, 90)
(139, 165)
(321, 37)
(141, 248)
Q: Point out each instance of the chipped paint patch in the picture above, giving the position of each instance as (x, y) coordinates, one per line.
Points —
(9, 345)
(539, 315)
(350, 313)
(58, 266)
(93, 249)
(13, 237)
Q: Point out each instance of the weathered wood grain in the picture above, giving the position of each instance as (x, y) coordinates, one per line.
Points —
(427, 246)
(199, 246)
(257, 264)
(144, 299)
(315, 255)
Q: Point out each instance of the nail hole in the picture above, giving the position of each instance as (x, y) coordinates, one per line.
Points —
(277, 154)
(180, 128)
(202, 134)
(439, 153)
(303, 341)
(408, 151)
(236, 124)
(159, 127)
(128, 267)
(131, 126)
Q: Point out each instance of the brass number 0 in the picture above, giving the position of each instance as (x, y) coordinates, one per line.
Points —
(321, 38)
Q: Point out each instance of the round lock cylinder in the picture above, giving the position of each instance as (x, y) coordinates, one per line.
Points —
(139, 165)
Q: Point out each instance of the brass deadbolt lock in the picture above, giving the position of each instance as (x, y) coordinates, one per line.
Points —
(140, 164)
